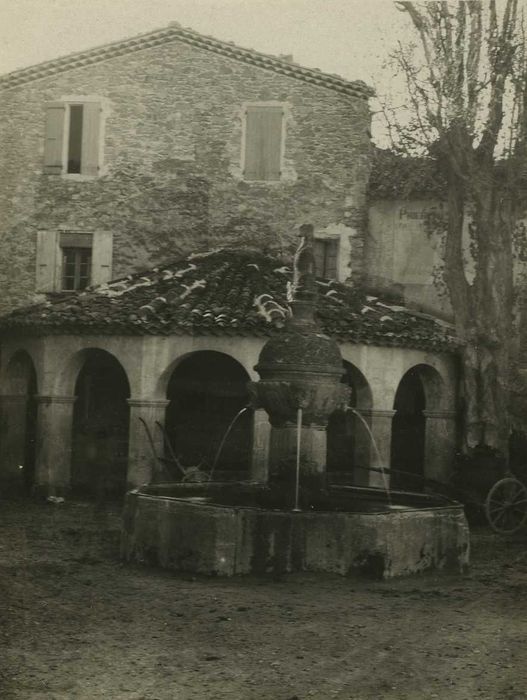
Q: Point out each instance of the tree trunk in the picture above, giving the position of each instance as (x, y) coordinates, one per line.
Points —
(484, 320)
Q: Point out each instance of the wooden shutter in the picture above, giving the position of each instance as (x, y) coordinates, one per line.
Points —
(320, 253)
(47, 259)
(263, 143)
(53, 138)
(101, 270)
(91, 128)
(326, 252)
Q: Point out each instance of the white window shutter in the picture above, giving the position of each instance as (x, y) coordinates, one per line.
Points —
(91, 129)
(54, 137)
(47, 261)
(101, 270)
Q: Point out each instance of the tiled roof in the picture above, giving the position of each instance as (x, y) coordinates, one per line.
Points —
(175, 32)
(394, 176)
(226, 292)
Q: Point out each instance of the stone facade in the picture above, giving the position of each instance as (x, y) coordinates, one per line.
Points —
(402, 255)
(170, 178)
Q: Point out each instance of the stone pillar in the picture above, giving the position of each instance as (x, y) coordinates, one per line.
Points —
(13, 426)
(440, 444)
(53, 452)
(142, 464)
(380, 422)
(260, 447)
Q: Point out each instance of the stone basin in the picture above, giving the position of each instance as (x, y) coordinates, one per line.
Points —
(230, 529)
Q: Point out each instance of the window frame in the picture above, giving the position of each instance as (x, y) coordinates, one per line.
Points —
(77, 252)
(328, 241)
(274, 104)
(66, 138)
(69, 101)
(50, 244)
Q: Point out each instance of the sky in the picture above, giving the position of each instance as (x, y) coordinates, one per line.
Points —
(349, 37)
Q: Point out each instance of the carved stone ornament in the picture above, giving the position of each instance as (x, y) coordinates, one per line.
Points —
(282, 399)
(301, 367)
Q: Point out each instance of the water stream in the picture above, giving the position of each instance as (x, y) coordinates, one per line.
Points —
(296, 509)
(377, 453)
(224, 438)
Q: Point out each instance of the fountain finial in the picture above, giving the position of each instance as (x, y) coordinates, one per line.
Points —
(304, 279)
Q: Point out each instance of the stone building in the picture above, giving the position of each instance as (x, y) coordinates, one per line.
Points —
(177, 147)
(125, 156)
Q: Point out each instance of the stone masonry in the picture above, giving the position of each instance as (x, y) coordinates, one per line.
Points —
(171, 179)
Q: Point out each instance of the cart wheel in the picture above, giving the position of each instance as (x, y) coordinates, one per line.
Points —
(506, 505)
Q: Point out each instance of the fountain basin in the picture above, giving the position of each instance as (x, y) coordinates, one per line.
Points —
(230, 529)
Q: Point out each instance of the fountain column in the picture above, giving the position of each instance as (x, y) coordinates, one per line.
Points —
(260, 450)
(142, 464)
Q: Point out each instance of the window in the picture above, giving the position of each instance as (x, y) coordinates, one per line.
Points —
(72, 261)
(72, 138)
(263, 142)
(74, 158)
(76, 268)
(326, 252)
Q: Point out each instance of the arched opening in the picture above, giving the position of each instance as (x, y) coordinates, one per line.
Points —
(19, 423)
(348, 440)
(408, 433)
(100, 427)
(206, 391)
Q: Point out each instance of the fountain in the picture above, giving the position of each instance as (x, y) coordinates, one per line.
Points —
(296, 521)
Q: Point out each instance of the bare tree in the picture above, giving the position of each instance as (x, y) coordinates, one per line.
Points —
(468, 96)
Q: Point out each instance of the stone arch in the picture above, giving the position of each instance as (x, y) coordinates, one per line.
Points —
(71, 364)
(18, 421)
(13, 377)
(165, 376)
(348, 439)
(207, 390)
(420, 390)
(100, 425)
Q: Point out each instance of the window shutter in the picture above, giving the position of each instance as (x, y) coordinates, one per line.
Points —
(326, 252)
(47, 257)
(263, 143)
(319, 253)
(53, 138)
(91, 126)
(101, 257)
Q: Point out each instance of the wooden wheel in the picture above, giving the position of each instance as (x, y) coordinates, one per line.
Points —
(506, 505)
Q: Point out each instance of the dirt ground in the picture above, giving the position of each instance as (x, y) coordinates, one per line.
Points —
(75, 623)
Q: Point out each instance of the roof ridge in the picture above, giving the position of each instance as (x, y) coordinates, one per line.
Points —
(174, 32)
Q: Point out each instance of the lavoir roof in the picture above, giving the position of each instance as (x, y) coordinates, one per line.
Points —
(226, 292)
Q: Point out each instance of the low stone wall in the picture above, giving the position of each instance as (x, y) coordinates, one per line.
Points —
(195, 536)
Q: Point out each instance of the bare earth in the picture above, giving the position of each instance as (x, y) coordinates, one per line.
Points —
(75, 623)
